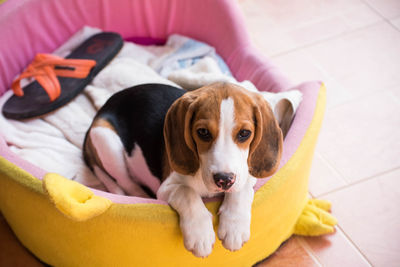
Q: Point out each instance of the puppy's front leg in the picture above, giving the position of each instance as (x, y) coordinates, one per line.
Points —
(235, 217)
(195, 220)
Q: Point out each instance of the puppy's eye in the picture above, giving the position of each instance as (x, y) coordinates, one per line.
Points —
(243, 135)
(204, 134)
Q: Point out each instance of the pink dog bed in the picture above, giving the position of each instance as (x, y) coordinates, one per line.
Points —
(23, 37)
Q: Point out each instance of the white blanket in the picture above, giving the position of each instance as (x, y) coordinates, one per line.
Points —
(54, 142)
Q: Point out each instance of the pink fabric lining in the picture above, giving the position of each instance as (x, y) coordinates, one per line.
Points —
(31, 26)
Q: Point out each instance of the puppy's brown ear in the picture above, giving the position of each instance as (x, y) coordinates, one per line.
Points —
(266, 147)
(180, 146)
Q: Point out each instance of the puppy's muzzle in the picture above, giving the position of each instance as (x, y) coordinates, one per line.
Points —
(224, 180)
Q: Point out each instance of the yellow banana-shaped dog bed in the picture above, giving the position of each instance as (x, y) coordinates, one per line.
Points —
(68, 224)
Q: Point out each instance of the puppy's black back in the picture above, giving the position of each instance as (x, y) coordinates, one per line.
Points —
(138, 114)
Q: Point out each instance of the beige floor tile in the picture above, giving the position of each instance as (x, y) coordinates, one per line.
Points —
(387, 8)
(361, 138)
(346, 44)
(267, 36)
(368, 213)
(396, 23)
(351, 65)
(329, 24)
(277, 26)
(291, 253)
(335, 250)
(299, 67)
(362, 62)
(395, 92)
(323, 177)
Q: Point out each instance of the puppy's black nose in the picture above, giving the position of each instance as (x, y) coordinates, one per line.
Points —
(224, 180)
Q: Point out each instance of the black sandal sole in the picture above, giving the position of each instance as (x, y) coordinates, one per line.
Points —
(102, 48)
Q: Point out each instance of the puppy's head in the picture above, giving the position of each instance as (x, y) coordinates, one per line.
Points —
(224, 132)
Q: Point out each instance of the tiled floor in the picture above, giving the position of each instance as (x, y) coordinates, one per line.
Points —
(354, 47)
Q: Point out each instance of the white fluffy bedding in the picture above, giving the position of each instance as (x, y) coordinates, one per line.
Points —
(54, 141)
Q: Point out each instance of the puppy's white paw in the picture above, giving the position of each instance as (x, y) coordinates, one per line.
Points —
(233, 230)
(198, 234)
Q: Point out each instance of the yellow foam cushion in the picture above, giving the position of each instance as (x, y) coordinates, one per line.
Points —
(74, 199)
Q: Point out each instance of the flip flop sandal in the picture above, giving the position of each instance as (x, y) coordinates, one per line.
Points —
(59, 80)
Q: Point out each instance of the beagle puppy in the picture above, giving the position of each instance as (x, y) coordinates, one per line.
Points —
(215, 140)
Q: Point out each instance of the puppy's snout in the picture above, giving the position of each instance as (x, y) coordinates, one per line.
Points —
(224, 180)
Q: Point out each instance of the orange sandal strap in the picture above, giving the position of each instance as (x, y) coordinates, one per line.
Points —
(45, 68)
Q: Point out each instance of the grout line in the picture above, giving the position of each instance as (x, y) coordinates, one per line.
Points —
(304, 46)
(373, 9)
(334, 169)
(303, 243)
(354, 245)
(359, 181)
(377, 12)
(394, 26)
(383, 90)
(356, 98)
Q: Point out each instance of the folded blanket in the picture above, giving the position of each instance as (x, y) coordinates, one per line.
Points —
(184, 52)
(54, 141)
